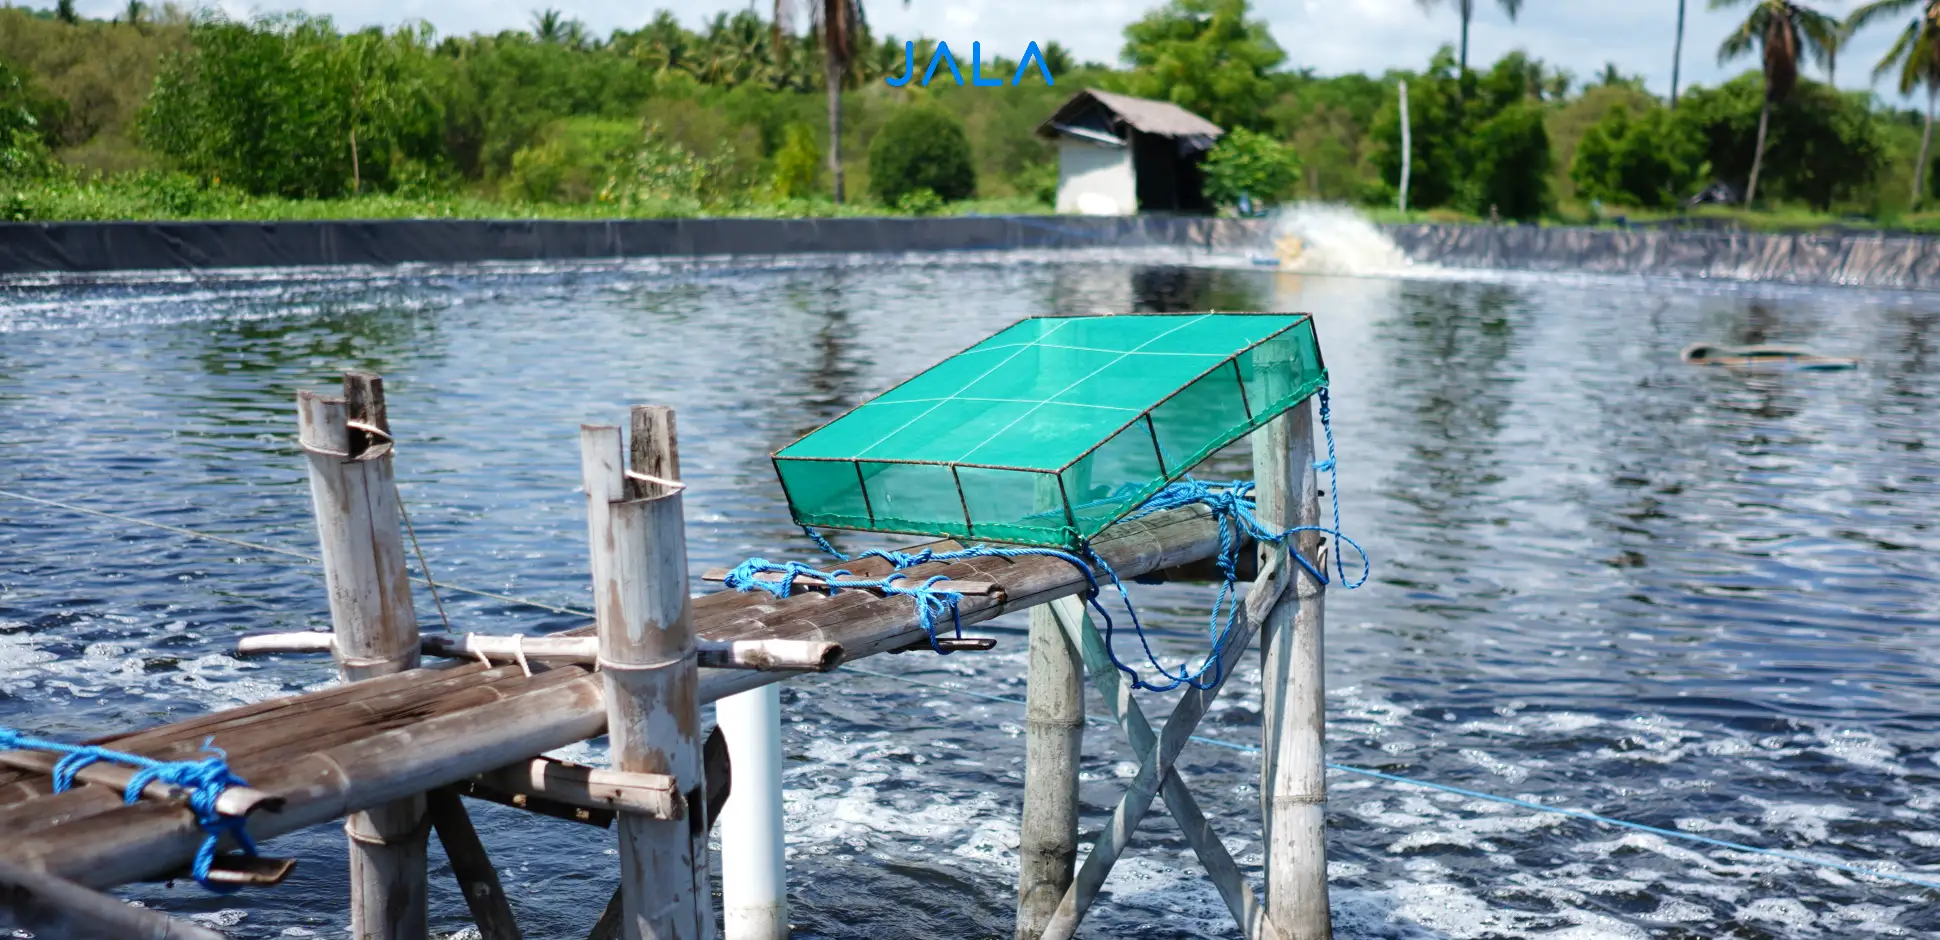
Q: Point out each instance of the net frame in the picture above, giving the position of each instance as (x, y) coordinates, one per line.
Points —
(1076, 525)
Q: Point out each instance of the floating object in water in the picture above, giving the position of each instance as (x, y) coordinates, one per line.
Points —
(1764, 357)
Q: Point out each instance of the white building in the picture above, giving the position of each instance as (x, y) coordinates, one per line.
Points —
(1119, 155)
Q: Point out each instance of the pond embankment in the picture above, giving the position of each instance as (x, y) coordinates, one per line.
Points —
(1849, 259)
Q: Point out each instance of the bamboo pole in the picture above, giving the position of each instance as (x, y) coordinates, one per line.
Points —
(1054, 721)
(477, 879)
(58, 908)
(376, 630)
(1293, 784)
(639, 548)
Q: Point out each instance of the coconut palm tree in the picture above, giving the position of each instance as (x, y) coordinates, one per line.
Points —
(1466, 9)
(839, 23)
(1782, 30)
(1916, 56)
(1677, 53)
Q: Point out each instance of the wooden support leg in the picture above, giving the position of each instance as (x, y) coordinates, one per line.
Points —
(1293, 783)
(1156, 765)
(1225, 873)
(636, 533)
(375, 628)
(471, 866)
(1054, 721)
(55, 907)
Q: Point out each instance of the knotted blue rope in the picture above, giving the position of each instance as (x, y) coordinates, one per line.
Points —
(931, 604)
(1235, 513)
(204, 780)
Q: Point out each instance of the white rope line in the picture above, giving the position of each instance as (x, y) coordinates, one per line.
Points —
(864, 452)
(675, 485)
(258, 546)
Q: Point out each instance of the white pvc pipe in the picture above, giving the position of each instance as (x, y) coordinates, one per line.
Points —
(754, 874)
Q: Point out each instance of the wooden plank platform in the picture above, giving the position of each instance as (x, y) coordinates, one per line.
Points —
(359, 745)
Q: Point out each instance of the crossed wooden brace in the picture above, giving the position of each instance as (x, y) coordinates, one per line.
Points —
(1156, 754)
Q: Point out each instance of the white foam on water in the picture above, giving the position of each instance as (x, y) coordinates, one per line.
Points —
(1318, 238)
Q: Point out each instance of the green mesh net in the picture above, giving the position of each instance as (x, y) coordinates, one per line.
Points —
(1053, 429)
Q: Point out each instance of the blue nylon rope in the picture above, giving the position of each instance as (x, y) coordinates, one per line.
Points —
(205, 780)
(1235, 513)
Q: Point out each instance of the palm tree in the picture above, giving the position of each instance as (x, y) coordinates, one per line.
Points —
(1677, 53)
(1466, 8)
(840, 25)
(1781, 29)
(549, 25)
(1917, 57)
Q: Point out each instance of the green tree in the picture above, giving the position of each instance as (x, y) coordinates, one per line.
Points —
(921, 148)
(1823, 145)
(23, 149)
(1206, 57)
(384, 78)
(64, 11)
(1512, 162)
(797, 170)
(1251, 164)
(1915, 55)
(1783, 31)
(1466, 10)
(1649, 161)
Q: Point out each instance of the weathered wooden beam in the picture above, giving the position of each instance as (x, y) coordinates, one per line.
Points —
(1293, 774)
(477, 879)
(56, 907)
(775, 654)
(375, 627)
(717, 575)
(553, 710)
(656, 796)
(636, 532)
(234, 801)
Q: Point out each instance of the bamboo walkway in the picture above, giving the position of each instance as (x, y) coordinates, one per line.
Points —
(393, 749)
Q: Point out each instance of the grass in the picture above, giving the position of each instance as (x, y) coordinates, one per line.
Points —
(156, 196)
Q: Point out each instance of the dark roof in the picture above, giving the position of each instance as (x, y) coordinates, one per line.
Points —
(1101, 112)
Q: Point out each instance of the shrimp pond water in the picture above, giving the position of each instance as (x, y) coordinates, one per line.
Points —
(1603, 579)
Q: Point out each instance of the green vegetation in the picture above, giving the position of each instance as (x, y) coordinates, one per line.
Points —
(1251, 164)
(165, 113)
(921, 150)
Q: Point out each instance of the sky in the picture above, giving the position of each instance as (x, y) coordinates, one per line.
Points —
(1330, 36)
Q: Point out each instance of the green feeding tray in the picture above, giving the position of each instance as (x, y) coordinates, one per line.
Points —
(1053, 429)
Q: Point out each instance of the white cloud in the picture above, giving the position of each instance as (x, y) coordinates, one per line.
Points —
(1330, 36)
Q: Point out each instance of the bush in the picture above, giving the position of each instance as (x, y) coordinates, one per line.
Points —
(1650, 162)
(1512, 164)
(921, 148)
(1250, 164)
(572, 160)
(798, 164)
(663, 175)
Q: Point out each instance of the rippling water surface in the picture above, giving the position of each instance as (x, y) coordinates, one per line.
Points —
(1696, 599)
